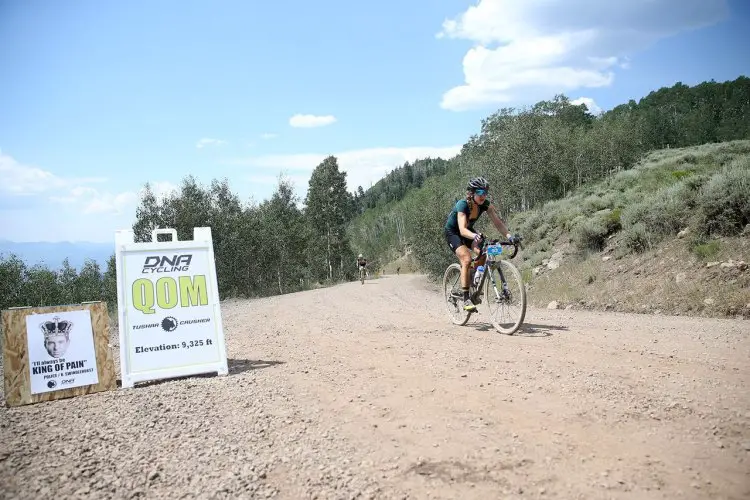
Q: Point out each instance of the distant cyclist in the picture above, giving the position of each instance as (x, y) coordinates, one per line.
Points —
(361, 264)
(459, 229)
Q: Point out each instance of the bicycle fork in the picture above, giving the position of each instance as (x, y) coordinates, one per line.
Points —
(504, 287)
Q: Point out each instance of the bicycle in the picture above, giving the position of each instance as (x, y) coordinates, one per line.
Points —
(501, 296)
(362, 274)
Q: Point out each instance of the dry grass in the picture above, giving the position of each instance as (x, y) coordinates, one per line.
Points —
(670, 278)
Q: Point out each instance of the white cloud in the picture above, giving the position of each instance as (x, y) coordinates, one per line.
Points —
(528, 50)
(108, 203)
(363, 166)
(309, 121)
(21, 179)
(268, 136)
(24, 180)
(593, 108)
(207, 141)
(93, 201)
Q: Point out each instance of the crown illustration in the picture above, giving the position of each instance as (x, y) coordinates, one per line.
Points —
(56, 327)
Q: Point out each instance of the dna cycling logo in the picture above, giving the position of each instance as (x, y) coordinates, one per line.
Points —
(164, 264)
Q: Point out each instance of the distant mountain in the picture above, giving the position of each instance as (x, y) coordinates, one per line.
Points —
(52, 254)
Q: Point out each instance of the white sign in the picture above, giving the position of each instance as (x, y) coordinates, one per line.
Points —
(168, 301)
(61, 351)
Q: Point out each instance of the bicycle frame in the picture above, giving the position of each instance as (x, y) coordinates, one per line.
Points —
(490, 264)
(491, 252)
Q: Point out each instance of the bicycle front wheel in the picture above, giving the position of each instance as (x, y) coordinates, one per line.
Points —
(454, 300)
(505, 293)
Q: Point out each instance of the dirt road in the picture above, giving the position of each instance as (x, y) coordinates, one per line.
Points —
(368, 391)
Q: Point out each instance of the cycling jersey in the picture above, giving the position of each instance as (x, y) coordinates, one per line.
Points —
(361, 262)
(451, 224)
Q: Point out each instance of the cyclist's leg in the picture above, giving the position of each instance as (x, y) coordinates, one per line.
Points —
(459, 247)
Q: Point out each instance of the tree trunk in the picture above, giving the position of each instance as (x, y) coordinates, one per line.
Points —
(328, 255)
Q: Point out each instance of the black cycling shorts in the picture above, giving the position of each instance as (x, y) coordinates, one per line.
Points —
(456, 240)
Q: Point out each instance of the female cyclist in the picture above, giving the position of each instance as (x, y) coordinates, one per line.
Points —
(459, 229)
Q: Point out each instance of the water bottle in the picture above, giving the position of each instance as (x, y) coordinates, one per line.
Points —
(478, 275)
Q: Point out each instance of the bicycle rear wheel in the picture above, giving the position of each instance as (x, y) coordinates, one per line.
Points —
(454, 299)
(506, 297)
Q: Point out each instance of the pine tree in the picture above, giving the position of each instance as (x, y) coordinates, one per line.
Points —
(329, 206)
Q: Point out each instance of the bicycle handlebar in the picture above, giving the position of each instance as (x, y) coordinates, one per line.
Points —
(516, 244)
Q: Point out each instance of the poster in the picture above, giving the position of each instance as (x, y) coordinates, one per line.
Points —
(61, 351)
(171, 311)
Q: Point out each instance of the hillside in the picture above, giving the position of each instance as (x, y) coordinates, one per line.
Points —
(545, 152)
(670, 235)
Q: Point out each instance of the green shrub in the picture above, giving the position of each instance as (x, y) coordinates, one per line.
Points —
(590, 235)
(636, 238)
(725, 199)
(595, 203)
(536, 259)
(575, 222)
(554, 233)
(695, 183)
(541, 231)
(626, 179)
(543, 245)
(635, 213)
(612, 221)
(707, 250)
(664, 213)
(669, 212)
(688, 158)
(563, 214)
(528, 227)
(724, 158)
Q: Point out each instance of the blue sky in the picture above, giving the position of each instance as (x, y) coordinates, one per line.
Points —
(98, 98)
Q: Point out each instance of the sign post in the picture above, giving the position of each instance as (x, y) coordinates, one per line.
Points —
(168, 301)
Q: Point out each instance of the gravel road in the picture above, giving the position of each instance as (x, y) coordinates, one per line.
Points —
(368, 391)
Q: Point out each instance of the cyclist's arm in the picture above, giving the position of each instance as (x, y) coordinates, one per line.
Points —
(498, 222)
(462, 222)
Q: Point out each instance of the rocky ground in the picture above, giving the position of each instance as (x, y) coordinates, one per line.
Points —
(368, 391)
(668, 279)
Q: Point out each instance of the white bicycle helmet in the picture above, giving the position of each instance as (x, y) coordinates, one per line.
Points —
(478, 183)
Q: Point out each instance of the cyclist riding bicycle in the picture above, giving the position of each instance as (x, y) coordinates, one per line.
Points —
(361, 262)
(459, 230)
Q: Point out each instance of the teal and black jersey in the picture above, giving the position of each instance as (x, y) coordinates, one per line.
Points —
(451, 224)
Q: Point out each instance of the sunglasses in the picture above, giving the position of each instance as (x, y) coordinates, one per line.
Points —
(480, 192)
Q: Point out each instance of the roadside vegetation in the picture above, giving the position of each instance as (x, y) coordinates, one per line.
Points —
(578, 187)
